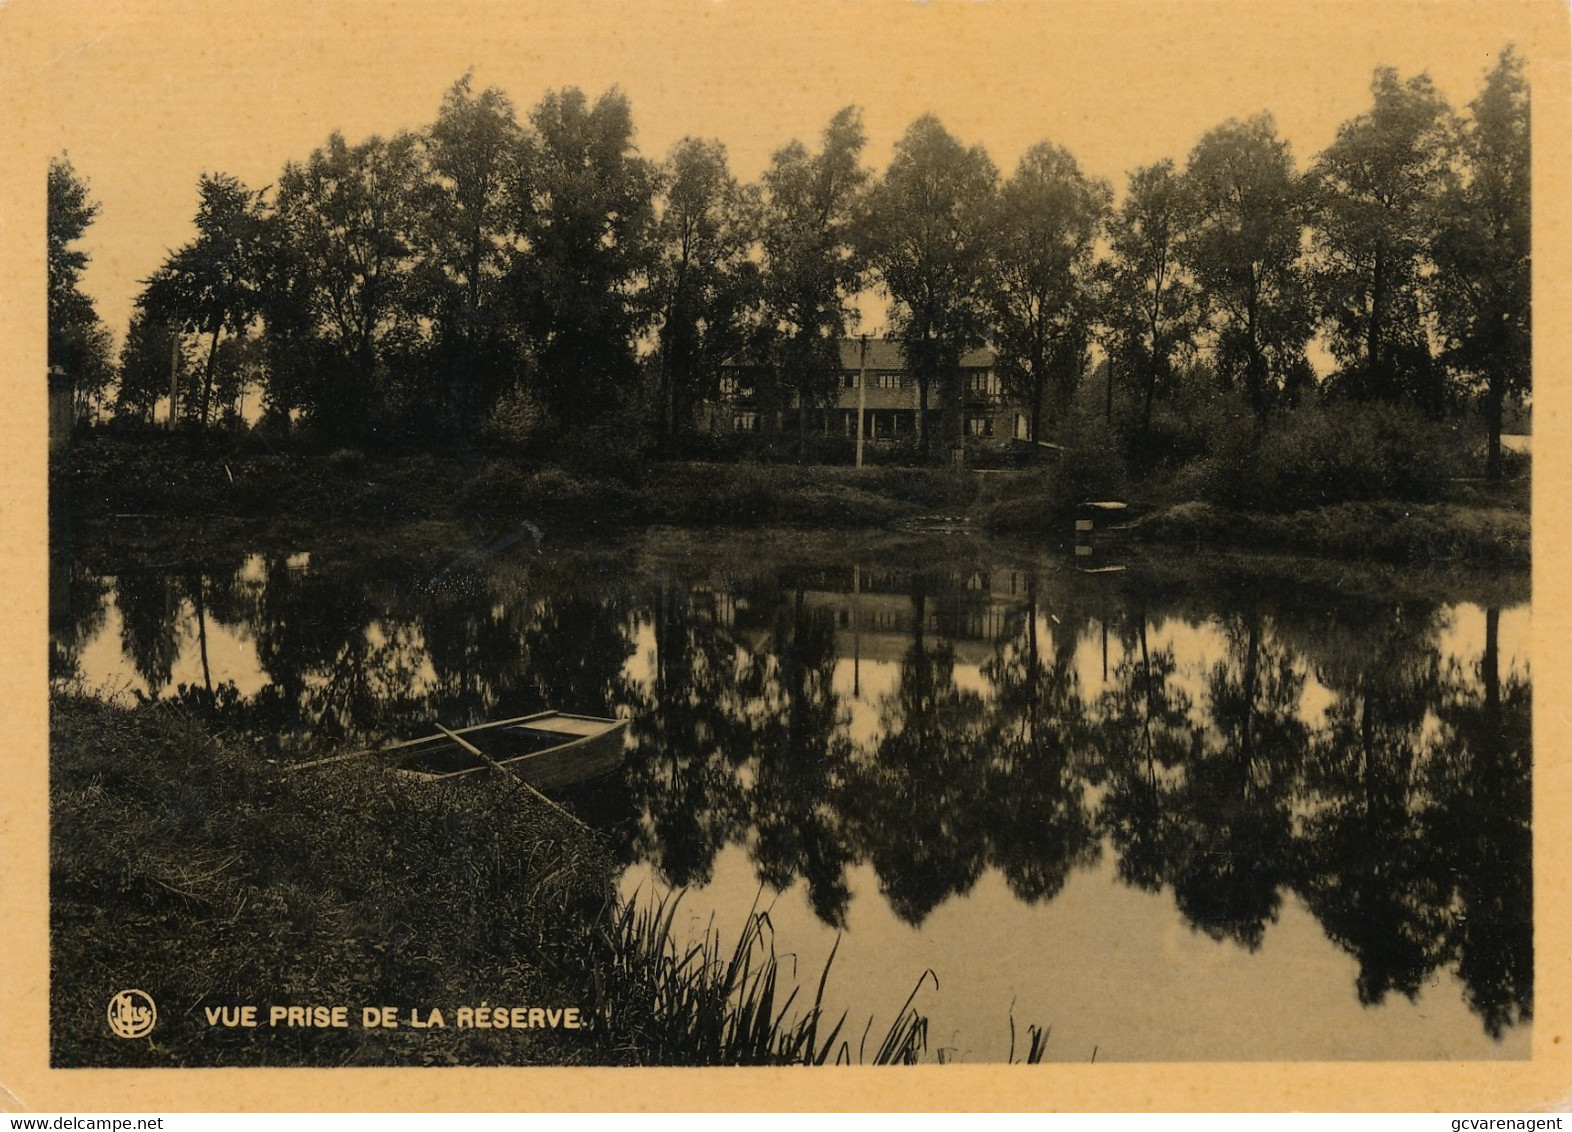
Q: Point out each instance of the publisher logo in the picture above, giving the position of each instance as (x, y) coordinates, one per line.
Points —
(132, 1014)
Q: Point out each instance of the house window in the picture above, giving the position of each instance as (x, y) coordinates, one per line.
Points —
(986, 383)
(745, 422)
(979, 426)
(1022, 429)
(728, 385)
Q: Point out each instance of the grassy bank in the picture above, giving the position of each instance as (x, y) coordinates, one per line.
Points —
(1398, 533)
(107, 475)
(184, 866)
(244, 484)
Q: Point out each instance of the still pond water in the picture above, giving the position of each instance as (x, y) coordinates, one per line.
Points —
(1214, 814)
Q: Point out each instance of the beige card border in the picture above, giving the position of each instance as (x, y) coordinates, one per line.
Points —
(35, 35)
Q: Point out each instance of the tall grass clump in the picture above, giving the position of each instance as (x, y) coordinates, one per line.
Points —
(698, 1003)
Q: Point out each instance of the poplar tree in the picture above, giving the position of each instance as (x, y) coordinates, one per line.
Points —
(1374, 195)
(1244, 250)
(812, 265)
(929, 238)
(1484, 253)
(704, 283)
(1040, 286)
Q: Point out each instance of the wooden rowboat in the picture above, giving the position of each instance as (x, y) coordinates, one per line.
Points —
(547, 750)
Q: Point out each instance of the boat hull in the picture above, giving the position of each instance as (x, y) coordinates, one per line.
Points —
(547, 750)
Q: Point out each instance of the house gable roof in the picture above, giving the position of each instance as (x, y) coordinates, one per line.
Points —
(883, 354)
(886, 354)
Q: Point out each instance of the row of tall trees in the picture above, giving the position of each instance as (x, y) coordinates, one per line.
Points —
(427, 280)
(1406, 244)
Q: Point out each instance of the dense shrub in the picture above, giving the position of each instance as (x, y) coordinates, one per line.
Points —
(832, 450)
(1001, 455)
(347, 461)
(1516, 465)
(893, 454)
(1323, 454)
(1343, 452)
(603, 451)
(1093, 466)
(1172, 439)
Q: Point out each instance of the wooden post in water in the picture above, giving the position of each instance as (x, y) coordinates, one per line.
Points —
(856, 632)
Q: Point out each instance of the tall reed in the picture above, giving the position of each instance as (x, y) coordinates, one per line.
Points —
(695, 1003)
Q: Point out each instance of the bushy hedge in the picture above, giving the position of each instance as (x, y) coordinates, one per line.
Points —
(1324, 454)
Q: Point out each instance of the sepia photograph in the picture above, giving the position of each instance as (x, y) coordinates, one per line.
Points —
(720, 534)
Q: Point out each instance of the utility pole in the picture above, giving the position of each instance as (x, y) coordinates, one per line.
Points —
(862, 394)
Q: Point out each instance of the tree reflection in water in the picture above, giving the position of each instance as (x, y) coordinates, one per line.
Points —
(921, 825)
(1040, 757)
(1368, 870)
(1478, 775)
(1229, 846)
(797, 800)
(1315, 746)
(689, 732)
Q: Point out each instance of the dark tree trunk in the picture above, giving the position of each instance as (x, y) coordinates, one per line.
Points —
(1153, 364)
(955, 405)
(1494, 396)
(1490, 663)
(664, 443)
(1039, 384)
(1255, 364)
(207, 377)
(1380, 380)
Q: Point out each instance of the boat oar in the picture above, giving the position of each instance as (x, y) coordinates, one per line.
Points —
(291, 768)
(495, 765)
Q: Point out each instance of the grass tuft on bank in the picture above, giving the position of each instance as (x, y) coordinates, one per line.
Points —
(700, 1003)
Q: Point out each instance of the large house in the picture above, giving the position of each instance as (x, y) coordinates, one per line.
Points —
(889, 410)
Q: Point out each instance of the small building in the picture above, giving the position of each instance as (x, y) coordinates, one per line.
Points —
(891, 404)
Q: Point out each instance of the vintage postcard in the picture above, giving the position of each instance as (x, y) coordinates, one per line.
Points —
(1005, 552)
